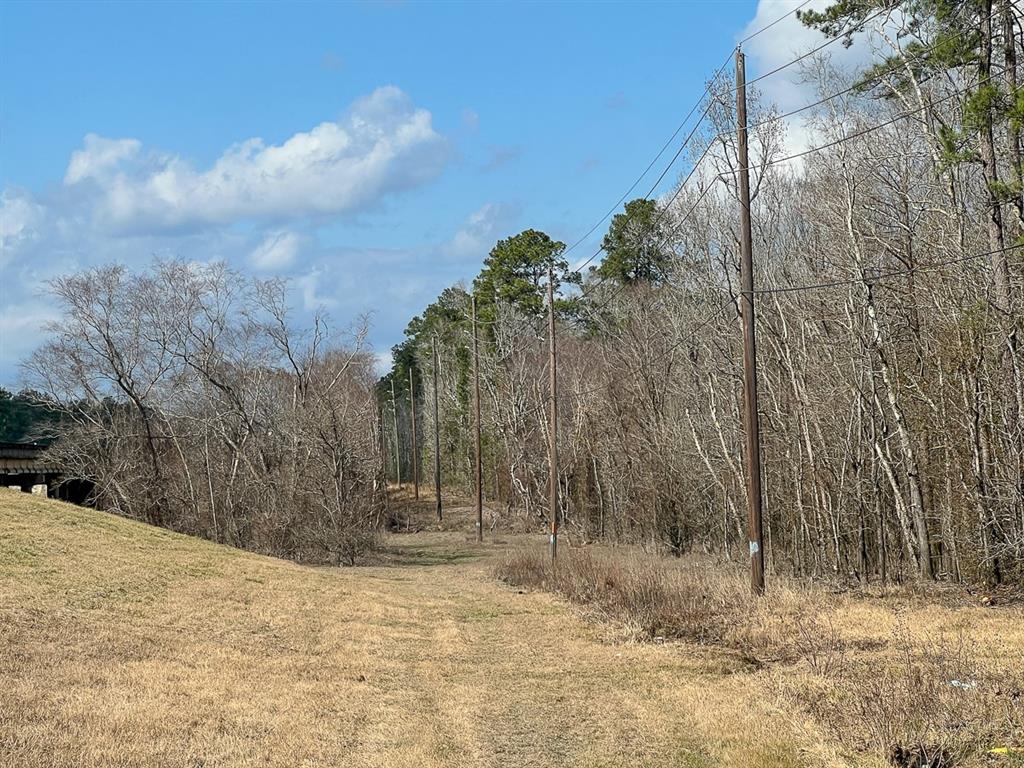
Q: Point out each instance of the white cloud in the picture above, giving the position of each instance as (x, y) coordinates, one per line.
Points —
(98, 157)
(778, 45)
(482, 229)
(309, 289)
(277, 251)
(123, 202)
(789, 89)
(20, 328)
(384, 145)
(383, 362)
(20, 217)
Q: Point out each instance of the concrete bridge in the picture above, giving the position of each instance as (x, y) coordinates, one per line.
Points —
(26, 467)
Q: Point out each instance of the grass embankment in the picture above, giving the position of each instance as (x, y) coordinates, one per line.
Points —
(919, 679)
(127, 645)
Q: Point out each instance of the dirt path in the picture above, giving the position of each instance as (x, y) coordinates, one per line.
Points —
(129, 646)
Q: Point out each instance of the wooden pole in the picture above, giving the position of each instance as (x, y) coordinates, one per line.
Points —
(478, 458)
(750, 410)
(398, 445)
(415, 442)
(553, 416)
(382, 441)
(437, 435)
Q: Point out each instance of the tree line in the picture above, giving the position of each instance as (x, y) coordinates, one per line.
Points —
(191, 399)
(889, 275)
(25, 417)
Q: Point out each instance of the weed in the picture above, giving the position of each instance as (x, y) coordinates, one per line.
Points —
(917, 701)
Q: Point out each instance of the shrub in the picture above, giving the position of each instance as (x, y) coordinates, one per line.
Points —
(916, 702)
(653, 601)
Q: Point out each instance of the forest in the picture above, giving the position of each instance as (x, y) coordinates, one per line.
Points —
(24, 418)
(888, 288)
(727, 470)
(191, 399)
(888, 285)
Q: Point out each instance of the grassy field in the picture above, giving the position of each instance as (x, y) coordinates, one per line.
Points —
(125, 645)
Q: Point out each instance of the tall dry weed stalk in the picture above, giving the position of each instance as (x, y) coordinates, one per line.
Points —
(917, 701)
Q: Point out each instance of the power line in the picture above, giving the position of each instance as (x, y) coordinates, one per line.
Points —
(672, 138)
(875, 79)
(731, 302)
(693, 170)
(589, 290)
(654, 186)
(622, 286)
(650, 165)
(765, 28)
(586, 291)
(870, 129)
(786, 289)
(830, 144)
(855, 28)
(882, 276)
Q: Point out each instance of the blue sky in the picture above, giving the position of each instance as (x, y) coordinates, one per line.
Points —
(369, 152)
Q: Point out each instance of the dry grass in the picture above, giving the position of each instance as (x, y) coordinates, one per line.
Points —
(651, 601)
(892, 678)
(126, 645)
(656, 598)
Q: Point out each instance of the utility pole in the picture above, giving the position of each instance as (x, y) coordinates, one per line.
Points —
(751, 426)
(398, 445)
(382, 442)
(437, 435)
(478, 459)
(553, 426)
(415, 444)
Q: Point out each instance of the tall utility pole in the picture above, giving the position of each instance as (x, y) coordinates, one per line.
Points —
(415, 443)
(382, 442)
(751, 425)
(437, 435)
(398, 445)
(553, 426)
(478, 459)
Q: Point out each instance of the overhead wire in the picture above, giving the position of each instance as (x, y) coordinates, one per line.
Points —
(650, 165)
(777, 161)
(864, 279)
(766, 27)
(586, 290)
(871, 279)
(677, 131)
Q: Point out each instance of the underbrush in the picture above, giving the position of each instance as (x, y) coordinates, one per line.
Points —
(919, 701)
(658, 599)
(912, 698)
